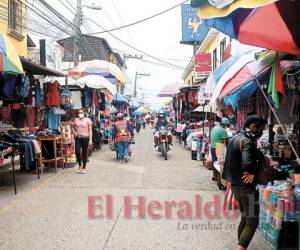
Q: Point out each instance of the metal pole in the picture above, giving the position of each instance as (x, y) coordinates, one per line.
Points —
(135, 83)
(77, 36)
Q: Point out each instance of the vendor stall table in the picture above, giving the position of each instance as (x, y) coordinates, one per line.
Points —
(57, 143)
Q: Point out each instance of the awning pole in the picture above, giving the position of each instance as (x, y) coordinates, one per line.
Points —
(277, 118)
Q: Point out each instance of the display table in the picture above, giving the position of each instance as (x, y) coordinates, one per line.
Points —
(57, 142)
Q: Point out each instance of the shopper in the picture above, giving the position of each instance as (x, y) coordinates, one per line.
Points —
(83, 130)
(218, 135)
(122, 134)
(242, 164)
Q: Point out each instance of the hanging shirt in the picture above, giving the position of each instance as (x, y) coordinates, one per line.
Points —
(38, 95)
(53, 95)
(76, 100)
(53, 120)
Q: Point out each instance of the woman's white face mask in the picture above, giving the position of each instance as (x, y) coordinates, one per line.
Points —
(80, 115)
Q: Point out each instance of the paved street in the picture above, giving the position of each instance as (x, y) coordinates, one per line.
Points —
(52, 213)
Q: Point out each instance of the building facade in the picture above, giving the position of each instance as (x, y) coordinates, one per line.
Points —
(13, 22)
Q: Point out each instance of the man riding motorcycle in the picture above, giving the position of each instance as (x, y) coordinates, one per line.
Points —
(162, 121)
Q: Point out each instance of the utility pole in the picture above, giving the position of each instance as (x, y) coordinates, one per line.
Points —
(135, 82)
(77, 37)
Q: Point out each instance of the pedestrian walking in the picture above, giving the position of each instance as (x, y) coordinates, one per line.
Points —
(242, 164)
(82, 128)
(218, 135)
(122, 134)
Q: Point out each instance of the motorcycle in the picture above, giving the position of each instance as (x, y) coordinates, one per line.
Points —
(163, 142)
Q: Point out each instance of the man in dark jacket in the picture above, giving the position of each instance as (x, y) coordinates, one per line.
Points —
(242, 163)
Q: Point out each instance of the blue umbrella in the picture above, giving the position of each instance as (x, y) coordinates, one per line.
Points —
(119, 99)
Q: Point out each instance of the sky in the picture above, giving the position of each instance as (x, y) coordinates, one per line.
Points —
(159, 37)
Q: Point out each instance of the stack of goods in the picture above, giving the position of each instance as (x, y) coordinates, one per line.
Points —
(278, 205)
(66, 131)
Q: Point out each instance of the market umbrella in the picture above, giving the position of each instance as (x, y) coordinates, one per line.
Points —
(136, 113)
(222, 8)
(142, 110)
(97, 67)
(9, 58)
(119, 99)
(247, 73)
(275, 26)
(96, 82)
(171, 89)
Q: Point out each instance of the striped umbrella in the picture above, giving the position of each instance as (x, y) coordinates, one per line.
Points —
(171, 89)
(275, 26)
(9, 58)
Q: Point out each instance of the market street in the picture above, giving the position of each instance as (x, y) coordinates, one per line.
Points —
(53, 213)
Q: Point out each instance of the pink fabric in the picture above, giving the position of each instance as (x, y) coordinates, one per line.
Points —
(37, 147)
(82, 126)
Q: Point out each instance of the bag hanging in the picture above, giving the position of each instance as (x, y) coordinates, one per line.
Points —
(230, 203)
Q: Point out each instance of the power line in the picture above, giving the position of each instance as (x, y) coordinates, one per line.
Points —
(143, 52)
(142, 20)
(143, 65)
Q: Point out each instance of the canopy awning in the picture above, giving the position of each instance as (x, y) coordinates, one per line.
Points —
(247, 73)
(119, 99)
(38, 69)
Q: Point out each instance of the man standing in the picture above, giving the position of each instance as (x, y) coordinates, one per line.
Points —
(218, 135)
(122, 134)
(242, 164)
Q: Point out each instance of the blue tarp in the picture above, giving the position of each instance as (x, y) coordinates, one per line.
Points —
(245, 91)
(119, 99)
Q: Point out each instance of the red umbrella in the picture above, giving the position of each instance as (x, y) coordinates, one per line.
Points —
(275, 26)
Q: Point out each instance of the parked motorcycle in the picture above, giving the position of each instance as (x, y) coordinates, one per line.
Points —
(163, 142)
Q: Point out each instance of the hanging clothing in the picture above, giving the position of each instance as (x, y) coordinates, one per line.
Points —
(25, 86)
(6, 115)
(53, 98)
(86, 99)
(76, 100)
(10, 82)
(30, 117)
(19, 117)
(38, 95)
(53, 120)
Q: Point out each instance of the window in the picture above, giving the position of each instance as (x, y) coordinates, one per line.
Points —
(15, 16)
(215, 58)
(222, 49)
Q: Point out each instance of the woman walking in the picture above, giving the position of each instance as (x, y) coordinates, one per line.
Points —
(82, 128)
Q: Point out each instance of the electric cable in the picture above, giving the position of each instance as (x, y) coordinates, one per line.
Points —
(142, 20)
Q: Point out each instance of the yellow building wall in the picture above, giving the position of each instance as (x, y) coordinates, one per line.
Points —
(20, 45)
(210, 48)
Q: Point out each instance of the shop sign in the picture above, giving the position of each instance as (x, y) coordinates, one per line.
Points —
(193, 29)
(203, 63)
(203, 96)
